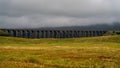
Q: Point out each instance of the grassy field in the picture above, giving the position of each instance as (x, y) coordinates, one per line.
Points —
(91, 52)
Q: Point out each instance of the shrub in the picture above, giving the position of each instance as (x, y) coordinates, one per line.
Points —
(112, 33)
(2, 33)
(118, 32)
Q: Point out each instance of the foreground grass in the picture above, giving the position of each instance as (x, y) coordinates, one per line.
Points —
(95, 52)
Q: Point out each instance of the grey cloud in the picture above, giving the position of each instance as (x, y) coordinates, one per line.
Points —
(44, 13)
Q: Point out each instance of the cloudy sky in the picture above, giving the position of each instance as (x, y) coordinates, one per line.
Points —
(53, 13)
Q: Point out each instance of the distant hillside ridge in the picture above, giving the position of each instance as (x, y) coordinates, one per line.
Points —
(107, 27)
(115, 26)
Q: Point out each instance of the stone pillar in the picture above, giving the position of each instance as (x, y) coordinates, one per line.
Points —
(95, 33)
(78, 33)
(20, 33)
(74, 34)
(87, 33)
(44, 34)
(40, 34)
(32, 34)
(29, 33)
(25, 34)
(11, 33)
(54, 34)
(50, 34)
(82, 33)
(92, 33)
(35, 33)
(71, 35)
(63, 34)
(67, 34)
(101, 33)
(58, 34)
(16, 33)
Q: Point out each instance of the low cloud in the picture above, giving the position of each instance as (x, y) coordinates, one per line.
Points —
(56, 13)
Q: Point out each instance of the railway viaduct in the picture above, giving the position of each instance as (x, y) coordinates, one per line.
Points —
(36, 33)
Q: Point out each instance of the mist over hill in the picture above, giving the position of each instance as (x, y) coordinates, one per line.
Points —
(114, 26)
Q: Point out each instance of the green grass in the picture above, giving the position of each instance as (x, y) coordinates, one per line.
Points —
(91, 52)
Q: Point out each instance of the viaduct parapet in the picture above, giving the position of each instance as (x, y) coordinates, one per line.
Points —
(35, 33)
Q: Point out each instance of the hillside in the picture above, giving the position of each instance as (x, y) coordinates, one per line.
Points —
(14, 40)
(91, 52)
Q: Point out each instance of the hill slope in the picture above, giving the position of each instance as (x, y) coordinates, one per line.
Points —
(92, 52)
(14, 40)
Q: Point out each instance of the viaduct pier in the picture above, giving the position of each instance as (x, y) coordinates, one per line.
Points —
(36, 33)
